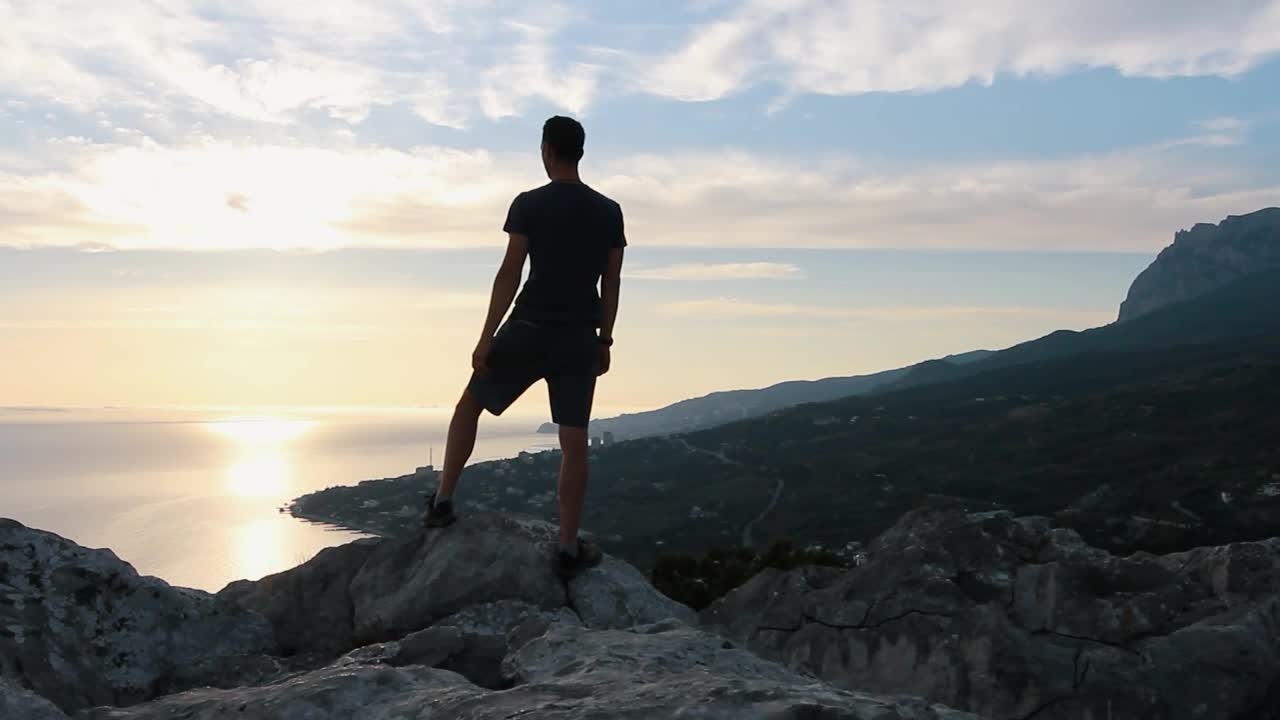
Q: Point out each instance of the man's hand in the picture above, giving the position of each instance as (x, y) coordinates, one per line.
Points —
(605, 358)
(480, 357)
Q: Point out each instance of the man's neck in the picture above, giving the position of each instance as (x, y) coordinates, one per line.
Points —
(564, 174)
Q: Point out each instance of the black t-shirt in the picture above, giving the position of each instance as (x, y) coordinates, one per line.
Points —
(571, 229)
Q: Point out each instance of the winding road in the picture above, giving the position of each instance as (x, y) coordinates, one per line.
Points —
(773, 501)
(746, 531)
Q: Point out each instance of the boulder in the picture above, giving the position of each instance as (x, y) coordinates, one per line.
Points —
(309, 605)
(616, 595)
(472, 642)
(408, 583)
(380, 589)
(80, 627)
(1009, 618)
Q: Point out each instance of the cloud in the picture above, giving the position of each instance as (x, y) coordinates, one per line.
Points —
(295, 76)
(453, 301)
(197, 197)
(735, 309)
(272, 62)
(842, 47)
(238, 201)
(139, 193)
(720, 271)
(1221, 131)
(1224, 123)
(275, 309)
(451, 62)
(529, 72)
(1130, 200)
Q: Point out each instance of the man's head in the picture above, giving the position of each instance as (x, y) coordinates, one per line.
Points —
(562, 140)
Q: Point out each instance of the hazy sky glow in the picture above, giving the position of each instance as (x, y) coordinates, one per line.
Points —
(873, 181)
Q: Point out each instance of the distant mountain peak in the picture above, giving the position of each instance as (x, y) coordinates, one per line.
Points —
(1205, 258)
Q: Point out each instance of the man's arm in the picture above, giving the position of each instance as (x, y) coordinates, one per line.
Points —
(610, 286)
(505, 285)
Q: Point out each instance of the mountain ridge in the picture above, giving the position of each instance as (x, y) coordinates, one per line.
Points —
(1205, 258)
(1201, 260)
(729, 405)
(1221, 313)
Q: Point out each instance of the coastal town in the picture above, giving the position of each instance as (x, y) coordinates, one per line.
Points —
(635, 474)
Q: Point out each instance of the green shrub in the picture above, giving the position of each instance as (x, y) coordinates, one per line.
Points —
(700, 581)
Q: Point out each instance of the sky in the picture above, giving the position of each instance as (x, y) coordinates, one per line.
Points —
(270, 203)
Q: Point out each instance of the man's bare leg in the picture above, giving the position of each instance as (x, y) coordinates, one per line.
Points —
(462, 440)
(573, 481)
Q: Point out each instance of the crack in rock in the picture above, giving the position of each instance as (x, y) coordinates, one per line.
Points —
(807, 619)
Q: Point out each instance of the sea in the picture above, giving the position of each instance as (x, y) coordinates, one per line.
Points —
(194, 495)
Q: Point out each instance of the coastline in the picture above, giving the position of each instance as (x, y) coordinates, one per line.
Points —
(367, 517)
(327, 523)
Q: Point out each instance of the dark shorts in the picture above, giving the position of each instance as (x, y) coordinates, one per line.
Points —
(524, 352)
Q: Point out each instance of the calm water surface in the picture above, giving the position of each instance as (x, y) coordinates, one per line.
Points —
(192, 496)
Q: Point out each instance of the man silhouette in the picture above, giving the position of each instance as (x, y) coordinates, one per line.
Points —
(573, 239)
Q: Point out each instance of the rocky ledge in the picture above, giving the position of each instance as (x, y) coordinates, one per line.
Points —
(1011, 618)
(996, 616)
(470, 621)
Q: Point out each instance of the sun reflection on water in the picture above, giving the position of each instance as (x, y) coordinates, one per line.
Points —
(264, 475)
(258, 431)
(258, 549)
(261, 467)
(259, 472)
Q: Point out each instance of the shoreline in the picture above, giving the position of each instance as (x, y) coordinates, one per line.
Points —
(316, 520)
(293, 507)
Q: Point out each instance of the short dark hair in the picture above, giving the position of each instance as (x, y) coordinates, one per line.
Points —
(565, 136)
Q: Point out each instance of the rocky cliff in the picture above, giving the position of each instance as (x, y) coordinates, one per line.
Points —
(469, 622)
(1205, 258)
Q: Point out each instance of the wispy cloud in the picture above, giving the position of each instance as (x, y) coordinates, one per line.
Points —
(1131, 199)
(284, 310)
(528, 72)
(1224, 123)
(736, 309)
(453, 301)
(1221, 131)
(273, 62)
(848, 47)
(720, 271)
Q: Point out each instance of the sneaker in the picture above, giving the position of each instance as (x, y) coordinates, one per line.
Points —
(435, 516)
(570, 566)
